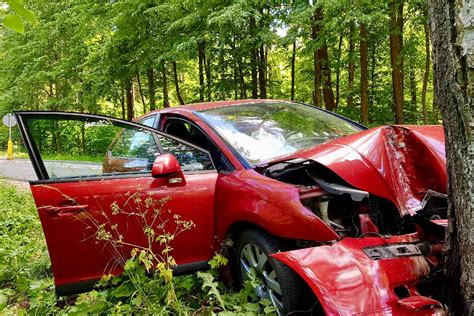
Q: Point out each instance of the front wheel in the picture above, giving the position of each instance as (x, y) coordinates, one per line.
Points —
(275, 281)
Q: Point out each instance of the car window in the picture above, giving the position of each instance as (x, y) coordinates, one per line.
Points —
(190, 158)
(188, 132)
(260, 132)
(148, 121)
(84, 146)
(133, 151)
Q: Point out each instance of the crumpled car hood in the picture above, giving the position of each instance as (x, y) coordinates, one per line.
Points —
(399, 163)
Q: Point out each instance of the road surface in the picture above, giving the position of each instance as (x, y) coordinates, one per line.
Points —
(22, 170)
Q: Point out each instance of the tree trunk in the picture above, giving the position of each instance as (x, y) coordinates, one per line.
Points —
(293, 61)
(453, 51)
(338, 70)
(426, 75)
(412, 78)
(364, 82)
(254, 66)
(262, 72)
(207, 71)
(151, 88)
(328, 94)
(122, 103)
(317, 96)
(201, 70)
(176, 84)
(254, 59)
(396, 43)
(323, 60)
(129, 100)
(351, 69)
(141, 92)
(373, 66)
(235, 70)
(166, 102)
(243, 88)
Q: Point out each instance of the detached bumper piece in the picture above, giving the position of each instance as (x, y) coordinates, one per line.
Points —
(362, 276)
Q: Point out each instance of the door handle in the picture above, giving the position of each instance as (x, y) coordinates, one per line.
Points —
(67, 210)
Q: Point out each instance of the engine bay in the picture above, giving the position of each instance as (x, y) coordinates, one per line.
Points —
(348, 211)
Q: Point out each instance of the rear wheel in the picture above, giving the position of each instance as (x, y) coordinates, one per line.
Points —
(275, 281)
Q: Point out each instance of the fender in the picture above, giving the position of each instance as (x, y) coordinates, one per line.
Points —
(247, 196)
(347, 279)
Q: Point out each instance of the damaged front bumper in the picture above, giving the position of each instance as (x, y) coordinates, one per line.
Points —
(370, 275)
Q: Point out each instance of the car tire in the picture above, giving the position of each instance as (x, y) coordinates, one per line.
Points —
(289, 283)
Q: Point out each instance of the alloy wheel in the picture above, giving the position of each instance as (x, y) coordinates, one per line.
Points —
(255, 264)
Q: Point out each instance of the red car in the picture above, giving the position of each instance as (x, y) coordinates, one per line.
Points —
(310, 199)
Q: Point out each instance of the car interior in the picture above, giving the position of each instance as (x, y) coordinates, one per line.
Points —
(190, 133)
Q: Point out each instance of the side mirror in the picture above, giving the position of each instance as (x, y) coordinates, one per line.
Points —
(167, 166)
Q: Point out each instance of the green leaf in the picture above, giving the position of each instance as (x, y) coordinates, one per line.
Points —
(14, 22)
(22, 11)
(3, 301)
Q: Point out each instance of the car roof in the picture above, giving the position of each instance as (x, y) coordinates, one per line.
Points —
(212, 105)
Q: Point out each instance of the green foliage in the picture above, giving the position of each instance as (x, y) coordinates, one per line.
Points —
(26, 284)
(13, 19)
(25, 276)
(83, 55)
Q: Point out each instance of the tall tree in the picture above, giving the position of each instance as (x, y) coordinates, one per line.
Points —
(176, 83)
(338, 71)
(129, 99)
(164, 80)
(364, 81)
(293, 65)
(262, 71)
(351, 67)
(321, 62)
(151, 88)
(201, 62)
(396, 58)
(254, 58)
(315, 33)
(453, 56)
(426, 74)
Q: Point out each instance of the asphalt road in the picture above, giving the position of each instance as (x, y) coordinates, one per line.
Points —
(22, 170)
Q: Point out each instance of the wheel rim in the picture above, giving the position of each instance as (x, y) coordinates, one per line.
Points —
(255, 264)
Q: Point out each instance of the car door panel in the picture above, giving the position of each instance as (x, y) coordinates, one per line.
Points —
(77, 214)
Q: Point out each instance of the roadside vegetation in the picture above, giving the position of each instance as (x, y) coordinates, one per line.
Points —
(146, 286)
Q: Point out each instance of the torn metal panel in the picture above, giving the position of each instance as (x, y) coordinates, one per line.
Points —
(399, 163)
(347, 280)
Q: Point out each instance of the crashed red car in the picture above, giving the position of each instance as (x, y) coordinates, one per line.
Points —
(308, 198)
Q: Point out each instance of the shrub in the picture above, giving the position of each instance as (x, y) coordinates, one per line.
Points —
(147, 285)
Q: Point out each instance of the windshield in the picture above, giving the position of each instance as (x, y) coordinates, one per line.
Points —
(263, 131)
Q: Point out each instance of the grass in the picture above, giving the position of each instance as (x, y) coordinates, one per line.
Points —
(66, 157)
(16, 154)
(27, 287)
(25, 275)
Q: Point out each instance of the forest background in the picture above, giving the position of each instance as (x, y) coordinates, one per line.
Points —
(367, 60)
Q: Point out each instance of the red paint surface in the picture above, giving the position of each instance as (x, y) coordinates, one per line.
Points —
(166, 165)
(247, 197)
(75, 253)
(347, 282)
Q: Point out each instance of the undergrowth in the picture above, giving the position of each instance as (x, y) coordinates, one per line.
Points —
(146, 286)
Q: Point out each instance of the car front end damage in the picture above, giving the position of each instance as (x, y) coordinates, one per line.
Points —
(367, 275)
(383, 192)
